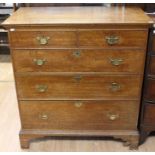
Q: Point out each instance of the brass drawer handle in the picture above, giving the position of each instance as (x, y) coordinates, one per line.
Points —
(43, 116)
(113, 117)
(77, 54)
(43, 40)
(39, 62)
(116, 62)
(41, 88)
(77, 78)
(112, 40)
(115, 86)
(78, 104)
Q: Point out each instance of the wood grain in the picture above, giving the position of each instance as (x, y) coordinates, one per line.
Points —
(149, 115)
(79, 60)
(72, 15)
(85, 29)
(64, 87)
(150, 90)
(97, 38)
(9, 141)
(28, 39)
(89, 115)
(78, 38)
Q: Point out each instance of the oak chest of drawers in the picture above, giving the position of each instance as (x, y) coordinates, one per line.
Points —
(78, 71)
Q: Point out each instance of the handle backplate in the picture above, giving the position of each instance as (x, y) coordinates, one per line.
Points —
(112, 40)
(39, 62)
(43, 40)
(41, 88)
(116, 62)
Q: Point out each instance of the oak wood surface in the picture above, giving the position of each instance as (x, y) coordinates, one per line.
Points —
(61, 87)
(72, 15)
(79, 60)
(78, 38)
(127, 26)
(10, 127)
(97, 38)
(90, 115)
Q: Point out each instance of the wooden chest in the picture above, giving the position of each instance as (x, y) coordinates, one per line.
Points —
(78, 70)
(147, 123)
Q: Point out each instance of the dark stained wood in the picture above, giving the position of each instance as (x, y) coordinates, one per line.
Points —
(150, 90)
(149, 115)
(73, 87)
(90, 115)
(79, 60)
(147, 120)
(153, 42)
(151, 69)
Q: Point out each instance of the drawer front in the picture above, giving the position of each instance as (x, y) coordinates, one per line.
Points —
(79, 115)
(78, 87)
(113, 38)
(150, 90)
(149, 114)
(42, 39)
(79, 60)
(85, 38)
(152, 65)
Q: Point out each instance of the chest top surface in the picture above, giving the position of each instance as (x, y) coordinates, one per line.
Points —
(77, 15)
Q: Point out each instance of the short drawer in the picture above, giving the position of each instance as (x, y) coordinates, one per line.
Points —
(79, 60)
(77, 86)
(150, 89)
(79, 115)
(42, 39)
(113, 38)
(149, 114)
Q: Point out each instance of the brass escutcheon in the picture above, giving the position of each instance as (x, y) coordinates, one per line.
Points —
(77, 78)
(77, 54)
(115, 86)
(78, 104)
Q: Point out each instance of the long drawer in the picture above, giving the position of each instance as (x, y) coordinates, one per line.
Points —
(78, 38)
(78, 86)
(78, 60)
(79, 115)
